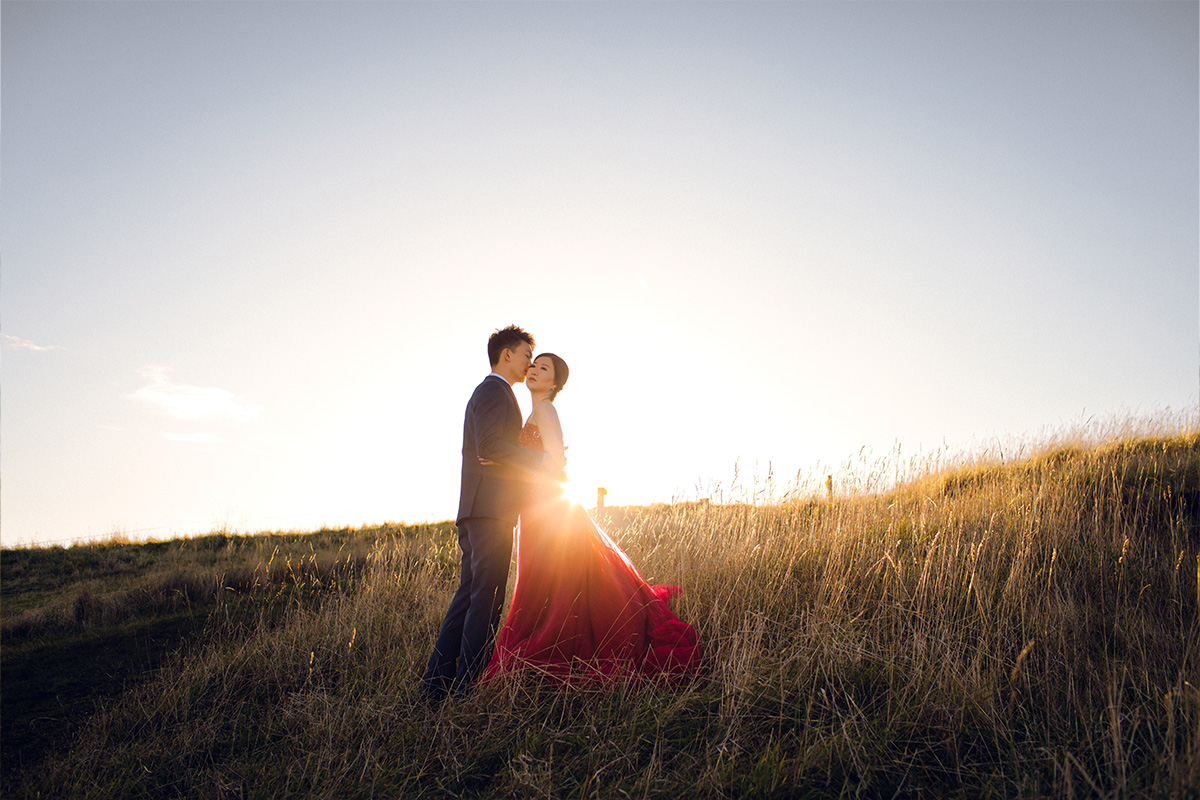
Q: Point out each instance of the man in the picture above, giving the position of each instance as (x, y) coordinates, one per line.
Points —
(488, 506)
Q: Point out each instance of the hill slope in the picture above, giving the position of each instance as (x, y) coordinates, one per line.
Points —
(1021, 630)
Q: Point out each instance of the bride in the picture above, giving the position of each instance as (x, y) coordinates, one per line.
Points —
(580, 609)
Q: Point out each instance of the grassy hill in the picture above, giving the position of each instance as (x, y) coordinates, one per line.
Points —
(1020, 629)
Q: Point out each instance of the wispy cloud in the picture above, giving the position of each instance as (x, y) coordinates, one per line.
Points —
(17, 343)
(191, 438)
(192, 402)
(194, 441)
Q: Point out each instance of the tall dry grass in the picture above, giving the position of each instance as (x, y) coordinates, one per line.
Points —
(1018, 629)
(57, 592)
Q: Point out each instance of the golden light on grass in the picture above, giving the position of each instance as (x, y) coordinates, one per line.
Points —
(1023, 628)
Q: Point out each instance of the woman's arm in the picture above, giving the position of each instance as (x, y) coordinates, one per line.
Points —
(545, 416)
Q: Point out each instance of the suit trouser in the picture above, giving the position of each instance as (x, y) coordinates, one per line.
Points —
(464, 644)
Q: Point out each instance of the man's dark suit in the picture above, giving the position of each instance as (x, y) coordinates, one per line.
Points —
(488, 506)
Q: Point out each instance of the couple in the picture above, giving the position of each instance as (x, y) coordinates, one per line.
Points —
(580, 609)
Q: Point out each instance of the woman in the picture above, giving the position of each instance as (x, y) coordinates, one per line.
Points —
(580, 609)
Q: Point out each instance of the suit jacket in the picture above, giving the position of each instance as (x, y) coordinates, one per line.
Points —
(490, 430)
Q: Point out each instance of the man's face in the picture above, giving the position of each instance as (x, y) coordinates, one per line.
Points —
(522, 358)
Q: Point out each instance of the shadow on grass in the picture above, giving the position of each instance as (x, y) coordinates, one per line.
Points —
(51, 688)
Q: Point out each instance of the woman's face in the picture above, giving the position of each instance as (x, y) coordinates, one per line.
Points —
(540, 376)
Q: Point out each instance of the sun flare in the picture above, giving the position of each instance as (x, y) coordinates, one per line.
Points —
(580, 494)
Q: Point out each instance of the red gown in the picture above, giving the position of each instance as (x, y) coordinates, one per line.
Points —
(580, 609)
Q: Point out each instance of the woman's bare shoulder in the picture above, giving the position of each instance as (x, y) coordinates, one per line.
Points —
(545, 412)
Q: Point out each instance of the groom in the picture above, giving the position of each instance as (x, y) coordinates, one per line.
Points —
(488, 506)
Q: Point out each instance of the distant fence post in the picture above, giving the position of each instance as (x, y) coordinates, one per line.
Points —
(829, 488)
(600, 498)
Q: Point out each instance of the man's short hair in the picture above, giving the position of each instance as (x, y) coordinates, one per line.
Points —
(509, 338)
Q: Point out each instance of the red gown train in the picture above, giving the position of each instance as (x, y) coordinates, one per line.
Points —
(580, 609)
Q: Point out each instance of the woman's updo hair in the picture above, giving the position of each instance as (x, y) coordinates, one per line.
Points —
(560, 372)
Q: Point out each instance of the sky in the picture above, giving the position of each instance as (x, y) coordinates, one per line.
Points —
(252, 252)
